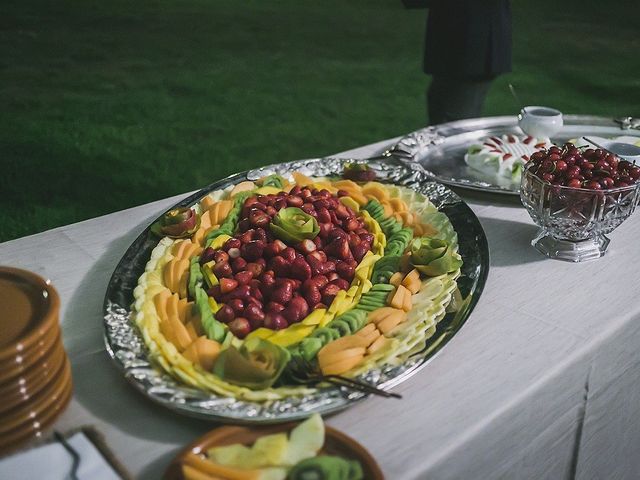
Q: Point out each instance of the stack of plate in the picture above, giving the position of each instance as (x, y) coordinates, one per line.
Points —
(35, 374)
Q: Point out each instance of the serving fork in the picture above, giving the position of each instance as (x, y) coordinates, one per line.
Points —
(304, 372)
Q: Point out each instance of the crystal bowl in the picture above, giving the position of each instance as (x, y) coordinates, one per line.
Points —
(574, 222)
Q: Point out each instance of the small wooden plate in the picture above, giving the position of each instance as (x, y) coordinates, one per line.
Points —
(335, 443)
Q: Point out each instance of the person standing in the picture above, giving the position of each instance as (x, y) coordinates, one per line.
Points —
(467, 45)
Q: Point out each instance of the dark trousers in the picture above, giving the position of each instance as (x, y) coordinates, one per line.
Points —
(451, 99)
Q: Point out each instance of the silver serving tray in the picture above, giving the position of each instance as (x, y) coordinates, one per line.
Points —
(127, 349)
(440, 149)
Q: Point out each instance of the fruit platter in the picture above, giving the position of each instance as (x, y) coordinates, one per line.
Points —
(489, 154)
(351, 269)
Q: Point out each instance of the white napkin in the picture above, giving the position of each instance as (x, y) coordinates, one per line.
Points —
(53, 462)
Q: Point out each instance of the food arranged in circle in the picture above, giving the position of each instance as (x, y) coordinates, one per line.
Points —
(504, 157)
(343, 275)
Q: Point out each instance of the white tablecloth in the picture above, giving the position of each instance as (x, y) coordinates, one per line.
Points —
(543, 381)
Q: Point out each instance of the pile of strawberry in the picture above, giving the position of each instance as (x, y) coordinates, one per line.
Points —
(263, 282)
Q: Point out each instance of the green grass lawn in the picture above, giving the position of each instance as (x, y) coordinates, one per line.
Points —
(107, 105)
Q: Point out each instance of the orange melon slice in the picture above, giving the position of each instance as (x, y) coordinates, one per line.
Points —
(215, 469)
(412, 281)
(380, 313)
(190, 473)
(396, 279)
(342, 366)
(377, 345)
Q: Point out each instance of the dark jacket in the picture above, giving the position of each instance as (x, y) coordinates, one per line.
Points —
(466, 38)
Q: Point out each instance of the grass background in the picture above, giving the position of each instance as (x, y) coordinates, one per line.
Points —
(107, 105)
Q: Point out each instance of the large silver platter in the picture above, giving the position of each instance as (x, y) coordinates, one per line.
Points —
(126, 346)
(440, 149)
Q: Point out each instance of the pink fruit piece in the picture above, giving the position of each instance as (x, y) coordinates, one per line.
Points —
(207, 255)
(289, 254)
(345, 270)
(232, 243)
(294, 201)
(329, 292)
(275, 321)
(360, 251)
(300, 269)
(225, 314)
(215, 292)
(243, 278)
(270, 250)
(258, 218)
(254, 313)
(274, 307)
(306, 246)
(222, 270)
(320, 280)
(280, 266)
(282, 294)
(311, 294)
(341, 283)
(332, 276)
(323, 215)
(342, 212)
(240, 327)
(351, 224)
(252, 250)
(238, 264)
(227, 285)
(325, 229)
(328, 267)
(221, 256)
(354, 239)
(242, 292)
(255, 268)
(237, 305)
(296, 310)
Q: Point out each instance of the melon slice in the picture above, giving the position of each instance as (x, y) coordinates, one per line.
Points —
(396, 298)
(206, 202)
(183, 307)
(380, 313)
(407, 302)
(390, 322)
(396, 279)
(190, 473)
(412, 281)
(160, 302)
(203, 351)
(343, 365)
(210, 468)
(341, 345)
(377, 345)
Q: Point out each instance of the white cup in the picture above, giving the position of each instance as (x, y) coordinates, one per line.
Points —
(540, 122)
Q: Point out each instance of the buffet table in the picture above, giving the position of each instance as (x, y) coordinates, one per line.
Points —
(543, 381)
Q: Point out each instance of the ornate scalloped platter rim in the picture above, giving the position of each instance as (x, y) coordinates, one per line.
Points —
(440, 156)
(127, 350)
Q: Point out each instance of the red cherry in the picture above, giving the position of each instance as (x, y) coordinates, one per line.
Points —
(561, 166)
(593, 185)
(607, 182)
(574, 183)
(572, 172)
(634, 173)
